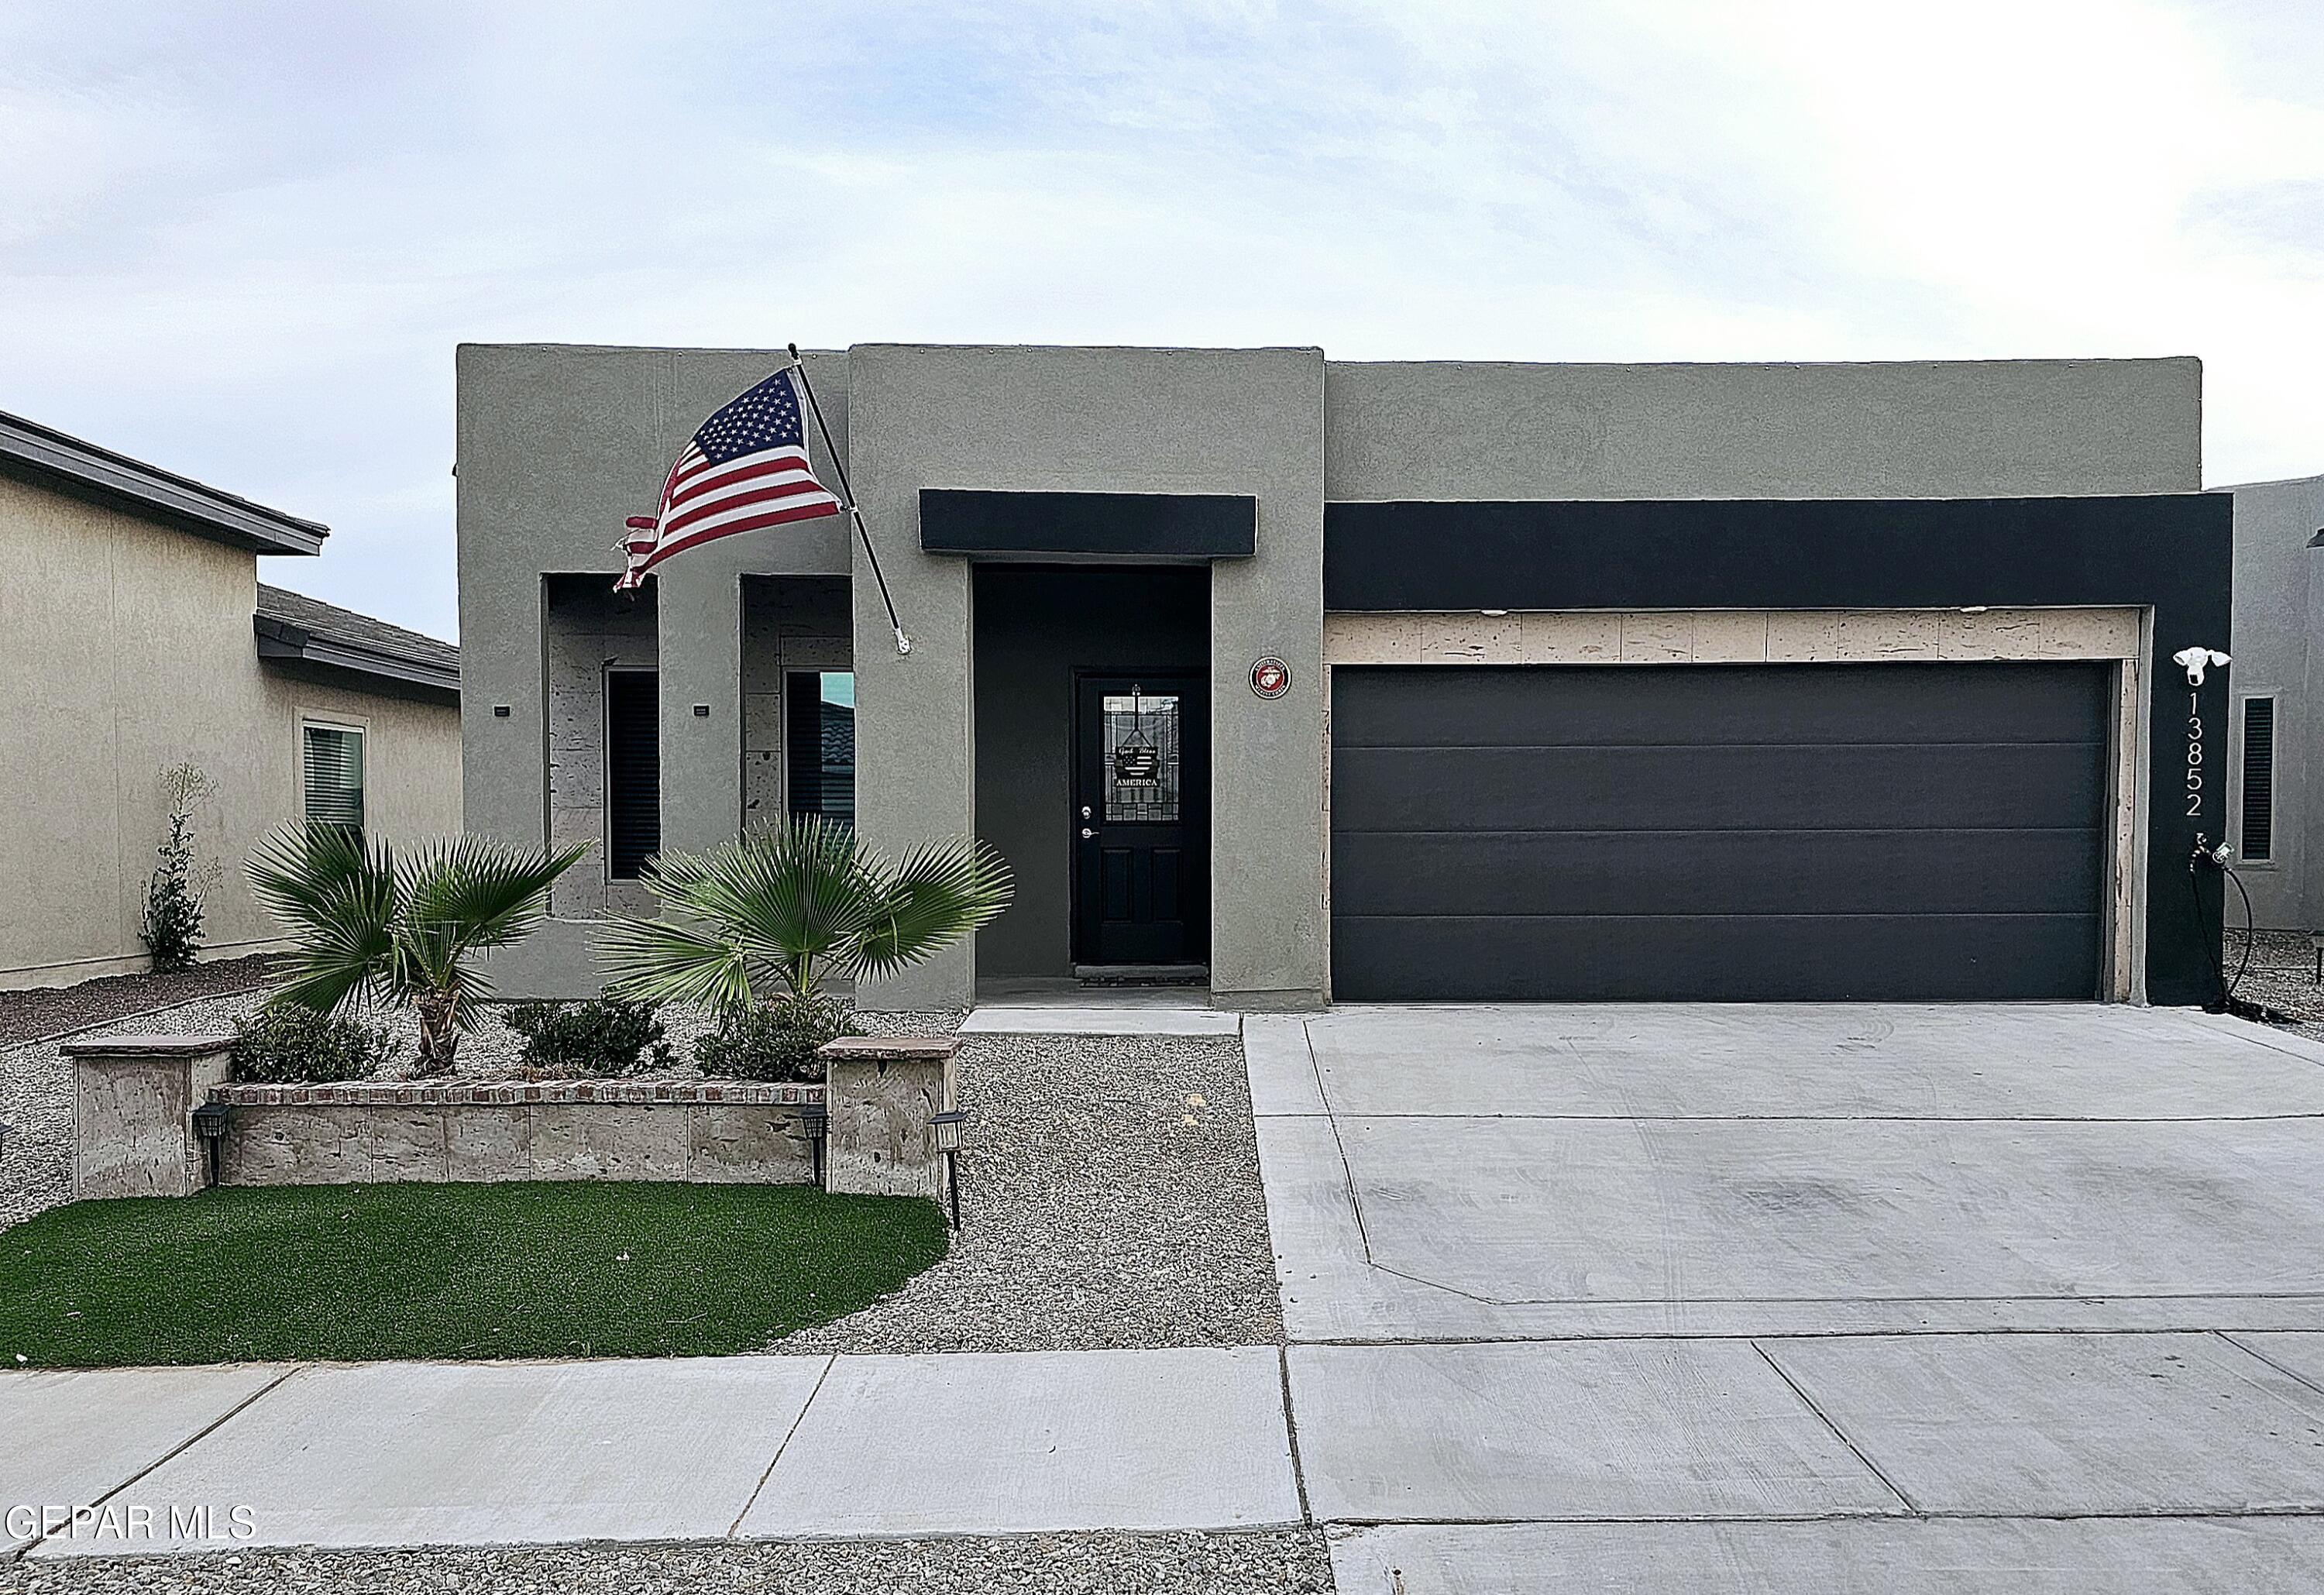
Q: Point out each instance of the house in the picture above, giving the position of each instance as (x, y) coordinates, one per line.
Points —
(2278, 823)
(136, 635)
(1316, 680)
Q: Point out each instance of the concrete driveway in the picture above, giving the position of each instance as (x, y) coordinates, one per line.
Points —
(1828, 1297)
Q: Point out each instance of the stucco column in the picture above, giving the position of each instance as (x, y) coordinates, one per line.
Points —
(699, 606)
(504, 758)
(1267, 936)
(915, 768)
(1269, 942)
(915, 714)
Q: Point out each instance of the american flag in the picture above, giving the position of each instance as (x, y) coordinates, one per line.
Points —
(744, 470)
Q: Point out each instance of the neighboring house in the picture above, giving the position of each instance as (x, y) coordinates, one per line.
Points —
(1603, 681)
(2279, 669)
(135, 634)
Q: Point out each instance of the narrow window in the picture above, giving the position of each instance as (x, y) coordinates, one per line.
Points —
(820, 746)
(331, 775)
(2259, 779)
(632, 772)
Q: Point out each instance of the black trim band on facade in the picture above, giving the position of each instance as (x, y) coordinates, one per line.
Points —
(1144, 526)
(2168, 553)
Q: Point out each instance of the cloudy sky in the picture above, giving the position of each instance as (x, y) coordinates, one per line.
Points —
(241, 240)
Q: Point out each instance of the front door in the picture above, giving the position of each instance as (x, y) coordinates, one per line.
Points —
(1141, 820)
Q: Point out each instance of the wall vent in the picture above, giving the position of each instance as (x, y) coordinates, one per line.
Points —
(2259, 779)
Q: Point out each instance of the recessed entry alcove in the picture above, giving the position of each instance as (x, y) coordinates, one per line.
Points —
(1092, 692)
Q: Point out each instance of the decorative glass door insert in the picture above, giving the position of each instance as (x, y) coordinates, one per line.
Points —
(1142, 767)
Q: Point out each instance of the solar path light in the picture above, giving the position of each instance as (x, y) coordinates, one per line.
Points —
(814, 1123)
(945, 1129)
(209, 1123)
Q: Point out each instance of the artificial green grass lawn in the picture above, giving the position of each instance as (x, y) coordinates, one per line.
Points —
(536, 1269)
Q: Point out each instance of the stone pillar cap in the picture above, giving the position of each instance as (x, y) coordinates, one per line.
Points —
(888, 1049)
(145, 1047)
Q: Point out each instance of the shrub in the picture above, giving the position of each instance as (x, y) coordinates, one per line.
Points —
(401, 930)
(778, 910)
(172, 926)
(588, 1039)
(774, 1041)
(285, 1046)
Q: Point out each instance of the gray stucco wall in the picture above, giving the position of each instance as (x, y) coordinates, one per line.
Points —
(1133, 420)
(557, 443)
(2279, 613)
(1464, 429)
(1035, 627)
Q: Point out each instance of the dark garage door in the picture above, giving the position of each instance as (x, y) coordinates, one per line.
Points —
(1718, 833)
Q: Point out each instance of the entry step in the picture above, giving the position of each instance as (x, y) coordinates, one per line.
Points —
(1142, 974)
(1022, 1020)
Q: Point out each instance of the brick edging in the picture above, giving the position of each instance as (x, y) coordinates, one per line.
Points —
(378, 1095)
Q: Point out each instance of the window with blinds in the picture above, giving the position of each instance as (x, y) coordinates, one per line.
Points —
(331, 774)
(820, 750)
(632, 772)
(2259, 779)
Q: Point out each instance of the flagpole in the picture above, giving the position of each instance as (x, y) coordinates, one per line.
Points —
(903, 643)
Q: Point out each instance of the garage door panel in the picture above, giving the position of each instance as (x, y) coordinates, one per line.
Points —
(1665, 789)
(1699, 959)
(1607, 705)
(1728, 833)
(1716, 872)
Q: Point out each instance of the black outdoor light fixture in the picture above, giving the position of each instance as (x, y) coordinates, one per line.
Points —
(945, 1128)
(209, 1123)
(814, 1123)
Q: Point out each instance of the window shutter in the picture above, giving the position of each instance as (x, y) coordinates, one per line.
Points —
(333, 776)
(2259, 779)
(632, 772)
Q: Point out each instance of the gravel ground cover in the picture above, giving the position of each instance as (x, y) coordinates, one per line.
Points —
(1293, 1561)
(27, 1016)
(1111, 1197)
(2282, 975)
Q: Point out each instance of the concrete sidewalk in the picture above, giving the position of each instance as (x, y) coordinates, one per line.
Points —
(381, 1454)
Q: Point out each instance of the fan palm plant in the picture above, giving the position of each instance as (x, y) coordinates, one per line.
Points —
(371, 927)
(771, 914)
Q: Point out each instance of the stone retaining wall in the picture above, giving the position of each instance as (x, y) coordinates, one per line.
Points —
(318, 1135)
(136, 1124)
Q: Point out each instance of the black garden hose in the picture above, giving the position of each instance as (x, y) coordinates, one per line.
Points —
(2226, 1004)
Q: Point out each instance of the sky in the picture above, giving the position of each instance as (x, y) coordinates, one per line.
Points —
(241, 241)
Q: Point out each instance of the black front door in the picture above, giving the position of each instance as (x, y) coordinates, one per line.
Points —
(1140, 819)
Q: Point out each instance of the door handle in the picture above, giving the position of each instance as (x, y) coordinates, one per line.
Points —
(1087, 832)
